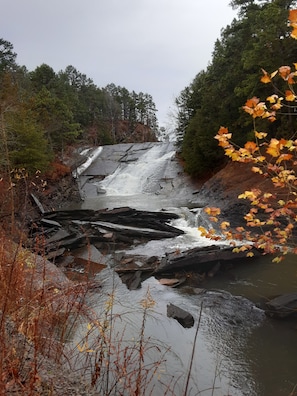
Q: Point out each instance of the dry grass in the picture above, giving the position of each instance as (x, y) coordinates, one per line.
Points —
(40, 310)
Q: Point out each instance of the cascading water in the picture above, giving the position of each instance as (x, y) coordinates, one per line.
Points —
(140, 177)
(232, 331)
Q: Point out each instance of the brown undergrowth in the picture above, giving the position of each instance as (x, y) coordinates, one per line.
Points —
(40, 310)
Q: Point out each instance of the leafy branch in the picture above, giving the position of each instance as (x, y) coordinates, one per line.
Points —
(272, 219)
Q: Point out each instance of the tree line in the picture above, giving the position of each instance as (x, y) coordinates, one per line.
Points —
(259, 38)
(43, 112)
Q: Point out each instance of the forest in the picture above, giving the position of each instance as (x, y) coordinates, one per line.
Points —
(43, 113)
(258, 39)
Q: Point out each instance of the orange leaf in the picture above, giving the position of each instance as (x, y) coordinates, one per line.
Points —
(293, 16)
(223, 130)
(265, 79)
(290, 97)
(212, 211)
(251, 147)
(284, 72)
(252, 102)
(284, 157)
(294, 33)
(291, 78)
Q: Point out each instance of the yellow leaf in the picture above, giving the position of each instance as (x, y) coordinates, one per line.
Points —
(265, 79)
(273, 148)
(273, 74)
(272, 99)
(278, 259)
(250, 254)
(256, 169)
(212, 211)
(224, 225)
(248, 194)
(267, 195)
(260, 135)
(202, 231)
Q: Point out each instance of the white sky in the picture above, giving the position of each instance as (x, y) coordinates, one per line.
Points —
(151, 46)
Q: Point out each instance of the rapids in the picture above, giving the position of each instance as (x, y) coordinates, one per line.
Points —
(239, 350)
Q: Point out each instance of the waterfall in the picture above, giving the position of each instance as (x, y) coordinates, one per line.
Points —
(140, 177)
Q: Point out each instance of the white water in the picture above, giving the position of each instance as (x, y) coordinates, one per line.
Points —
(151, 183)
(140, 177)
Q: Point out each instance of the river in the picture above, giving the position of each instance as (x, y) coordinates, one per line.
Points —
(239, 351)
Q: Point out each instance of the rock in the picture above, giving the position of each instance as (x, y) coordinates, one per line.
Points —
(37, 203)
(183, 317)
(173, 282)
(89, 255)
(50, 223)
(132, 280)
(282, 306)
(202, 259)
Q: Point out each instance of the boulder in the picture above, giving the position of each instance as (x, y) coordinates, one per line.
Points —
(183, 317)
(282, 306)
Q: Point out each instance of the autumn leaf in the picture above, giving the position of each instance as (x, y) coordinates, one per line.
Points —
(284, 157)
(278, 259)
(224, 225)
(284, 72)
(293, 17)
(265, 79)
(290, 97)
(273, 148)
(252, 102)
(256, 169)
(223, 131)
(293, 22)
(272, 99)
(248, 195)
(260, 135)
(202, 231)
(211, 211)
(251, 147)
(294, 33)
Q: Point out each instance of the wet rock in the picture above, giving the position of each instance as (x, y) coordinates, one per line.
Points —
(173, 282)
(205, 259)
(37, 203)
(183, 317)
(282, 306)
(89, 255)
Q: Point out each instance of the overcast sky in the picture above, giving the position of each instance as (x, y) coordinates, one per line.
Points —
(151, 46)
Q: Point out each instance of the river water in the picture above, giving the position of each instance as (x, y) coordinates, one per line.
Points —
(239, 351)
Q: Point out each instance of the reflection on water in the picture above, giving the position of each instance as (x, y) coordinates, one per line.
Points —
(219, 366)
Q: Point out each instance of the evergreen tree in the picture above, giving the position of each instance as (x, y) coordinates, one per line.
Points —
(217, 94)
